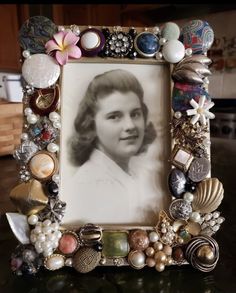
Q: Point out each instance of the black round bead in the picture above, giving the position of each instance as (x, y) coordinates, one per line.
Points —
(52, 188)
(98, 246)
(132, 32)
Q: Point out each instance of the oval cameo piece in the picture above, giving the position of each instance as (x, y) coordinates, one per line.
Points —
(43, 165)
(54, 262)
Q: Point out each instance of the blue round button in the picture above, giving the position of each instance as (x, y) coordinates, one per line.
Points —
(146, 44)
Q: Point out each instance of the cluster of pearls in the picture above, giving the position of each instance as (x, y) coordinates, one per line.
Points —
(24, 174)
(168, 235)
(56, 119)
(45, 236)
(211, 223)
(194, 216)
(158, 255)
(30, 116)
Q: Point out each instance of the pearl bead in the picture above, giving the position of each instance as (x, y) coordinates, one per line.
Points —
(156, 29)
(32, 119)
(220, 220)
(216, 215)
(160, 267)
(55, 243)
(150, 251)
(28, 111)
(167, 250)
(162, 41)
(46, 245)
(158, 55)
(76, 30)
(153, 237)
(38, 246)
(178, 115)
(56, 178)
(33, 238)
(58, 234)
(137, 259)
(57, 124)
(47, 253)
(160, 256)
(150, 262)
(51, 237)
(54, 116)
(55, 262)
(158, 246)
(69, 262)
(26, 54)
(33, 219)
(37, 230)
(52, 147)
(24, 136)
(207, 217)
(188, 196)
(60, 28)
(188, 52)
(195, 217)
(55, 226)
(47, 223)
(41, 237)
(47, 230)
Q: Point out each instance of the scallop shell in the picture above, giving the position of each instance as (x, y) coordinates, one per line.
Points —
(208, 195)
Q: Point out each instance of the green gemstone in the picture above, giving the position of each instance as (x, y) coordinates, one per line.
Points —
(115, 244)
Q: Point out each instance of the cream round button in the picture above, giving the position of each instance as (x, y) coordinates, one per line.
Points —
(40, 71)
(90, 40)
(43, 165)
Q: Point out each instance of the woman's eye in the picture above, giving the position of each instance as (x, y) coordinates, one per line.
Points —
(114, 117)
(136, 114)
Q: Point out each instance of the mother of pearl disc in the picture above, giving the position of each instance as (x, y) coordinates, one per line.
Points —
(42, 166)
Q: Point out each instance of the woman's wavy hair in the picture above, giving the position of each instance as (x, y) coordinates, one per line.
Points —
(84, 140)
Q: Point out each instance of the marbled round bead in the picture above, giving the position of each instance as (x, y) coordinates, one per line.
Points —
(146, 44)
(178, 254)
(138, 239)
(68, 243)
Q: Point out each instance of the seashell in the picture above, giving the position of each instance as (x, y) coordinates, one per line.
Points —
(196, 59)
(86, 259)
(208, 195)
(19, 226)
(54, 262)
(184, 75)
(194, 257)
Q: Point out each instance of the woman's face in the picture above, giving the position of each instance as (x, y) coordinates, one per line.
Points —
(119, 125)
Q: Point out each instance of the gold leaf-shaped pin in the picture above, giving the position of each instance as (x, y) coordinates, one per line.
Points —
(29, 197)
(163, 218)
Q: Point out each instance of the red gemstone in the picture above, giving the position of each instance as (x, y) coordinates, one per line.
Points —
(68, 243)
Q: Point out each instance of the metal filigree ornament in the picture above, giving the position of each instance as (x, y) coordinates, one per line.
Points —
(54, 210)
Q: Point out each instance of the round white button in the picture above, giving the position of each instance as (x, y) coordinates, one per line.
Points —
(90, 40)
(40, 70)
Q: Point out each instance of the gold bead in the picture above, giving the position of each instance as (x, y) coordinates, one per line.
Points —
(160, 267)
(158, 246)
(160, 256)
(205, 254)
(150, 251)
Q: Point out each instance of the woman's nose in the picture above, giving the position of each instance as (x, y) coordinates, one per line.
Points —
(129, 123)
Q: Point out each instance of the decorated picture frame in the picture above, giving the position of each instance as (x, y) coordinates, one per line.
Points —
(92, 97)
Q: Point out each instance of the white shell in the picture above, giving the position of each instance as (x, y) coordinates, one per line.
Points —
(40, 70)
(54, 262)
(208, 195)
(19, 226)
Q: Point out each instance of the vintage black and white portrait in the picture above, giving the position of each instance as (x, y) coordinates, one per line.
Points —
(115, 142)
